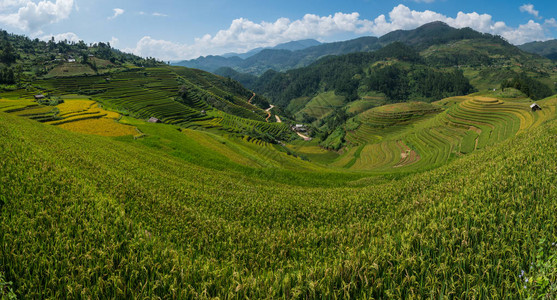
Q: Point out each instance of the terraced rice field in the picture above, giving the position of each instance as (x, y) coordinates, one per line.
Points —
(236, 124)
(152, 92)
(323, 104)
(29, 109)
(85, 116)
(398, 137)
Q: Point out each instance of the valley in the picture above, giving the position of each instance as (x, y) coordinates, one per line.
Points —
(415, 167)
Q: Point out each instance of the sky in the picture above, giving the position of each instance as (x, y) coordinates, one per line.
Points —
(186, 29)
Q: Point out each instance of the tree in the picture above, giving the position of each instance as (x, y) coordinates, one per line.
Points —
(8, 54)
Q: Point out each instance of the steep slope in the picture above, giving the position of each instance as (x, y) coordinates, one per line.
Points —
(435, 33)
(396, 70)
(430, 34)
(86, 216)
(546, 48)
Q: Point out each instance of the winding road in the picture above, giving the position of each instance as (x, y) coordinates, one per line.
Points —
(268, 110)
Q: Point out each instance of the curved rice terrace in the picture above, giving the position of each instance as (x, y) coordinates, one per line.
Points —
(152, 222)
(398, 137)
(414, 136)
(151, 92)
(207, 206)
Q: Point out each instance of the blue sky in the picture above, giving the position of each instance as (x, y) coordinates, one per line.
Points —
(172, 29)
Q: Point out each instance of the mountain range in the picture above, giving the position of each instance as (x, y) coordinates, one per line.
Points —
(411, 166)
(298, 54)
(546, 48)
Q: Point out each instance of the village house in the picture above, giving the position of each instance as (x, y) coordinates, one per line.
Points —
(154, 120)
(535, 107)
(299, 128)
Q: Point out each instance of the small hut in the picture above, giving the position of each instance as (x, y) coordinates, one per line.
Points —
(299, 128)
(535, 107)
(39, 97)
(154, 120)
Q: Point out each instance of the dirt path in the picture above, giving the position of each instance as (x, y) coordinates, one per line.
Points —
(253, 96)
(268, 110)
(305, 137)
(278, 119)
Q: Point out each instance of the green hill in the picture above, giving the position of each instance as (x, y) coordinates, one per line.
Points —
(547, 48)
(87, 216)
(160, 181)
(130, 85)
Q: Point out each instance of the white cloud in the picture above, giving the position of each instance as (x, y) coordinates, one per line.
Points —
(550, 23)
(243, 34)
(528, 32)
(161, 49)
(529, 8)
(157, 14)
(117, 12)
(114, 41)
(68, 36)
(32, 16)
(12, 3)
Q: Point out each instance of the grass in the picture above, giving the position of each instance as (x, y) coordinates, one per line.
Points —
(204, 206)
(106, 218)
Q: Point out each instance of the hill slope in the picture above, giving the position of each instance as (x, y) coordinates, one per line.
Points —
(435, 33)
(107, 218)
(281, 59)
(547, 48)
(291, 46)
(130, 85)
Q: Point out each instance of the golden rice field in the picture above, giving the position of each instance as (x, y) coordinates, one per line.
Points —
(84, 116)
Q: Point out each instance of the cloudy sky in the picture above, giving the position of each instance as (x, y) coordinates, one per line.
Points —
(184, 29)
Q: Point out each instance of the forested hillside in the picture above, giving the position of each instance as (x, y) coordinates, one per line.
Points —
(282, 59)
(547, 48)
(23, 59)
(427, 64)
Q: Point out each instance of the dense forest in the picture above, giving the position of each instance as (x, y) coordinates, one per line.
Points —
(530, 87)
(396, 70)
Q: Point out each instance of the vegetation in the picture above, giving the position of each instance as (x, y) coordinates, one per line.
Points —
(128, 218)
(278, 59)
(531, 87)
(547, 48)
(390, 199)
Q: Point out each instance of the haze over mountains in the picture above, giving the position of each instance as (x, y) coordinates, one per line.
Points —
(298, 54)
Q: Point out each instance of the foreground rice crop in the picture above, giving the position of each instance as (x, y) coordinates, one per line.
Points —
(88, 216)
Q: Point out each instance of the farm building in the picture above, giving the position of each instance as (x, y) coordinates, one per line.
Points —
(535, 107)
(154, 120)
(299, 128)
(39, 97)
